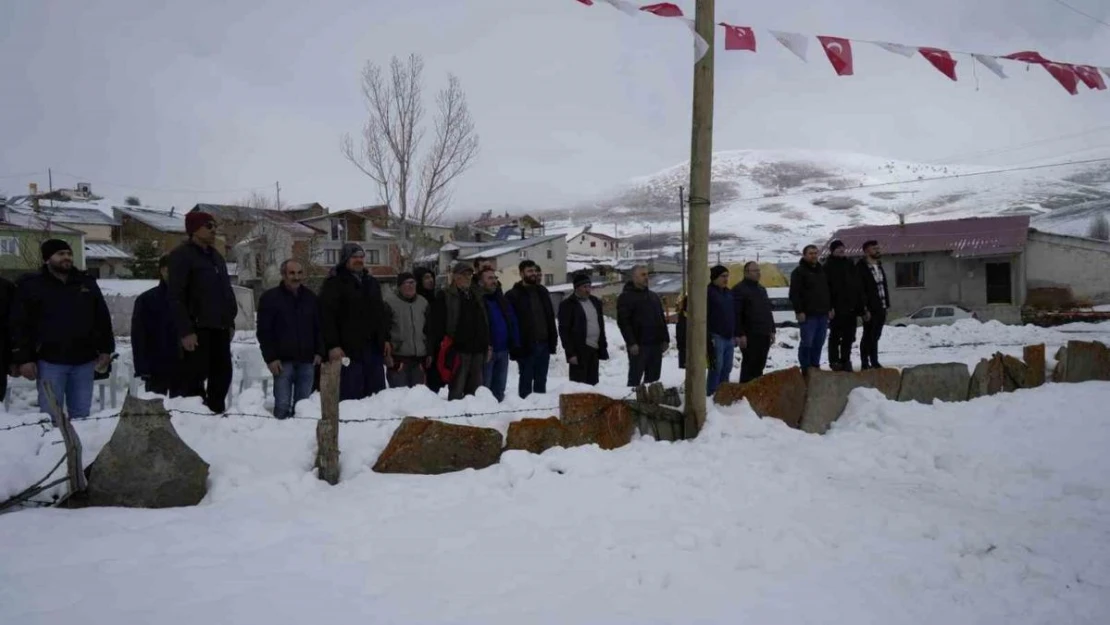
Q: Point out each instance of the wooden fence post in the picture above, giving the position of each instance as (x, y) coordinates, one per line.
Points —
(327, 430)
(74, 464)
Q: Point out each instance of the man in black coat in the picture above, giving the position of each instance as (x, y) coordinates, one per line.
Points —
(582, 331)
(459, 327)
(355, 324)
(643, 325)
(809, 294)
(426, 288)
(155, 346)
(846, 296)
(61, 331)
(7, 296)
(290, 337)
(204, 310)
(755, 323)
(876, 301)
(538, 337)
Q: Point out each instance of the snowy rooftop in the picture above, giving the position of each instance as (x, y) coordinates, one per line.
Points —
(510, 247)
(23, 219)
(163, 221)
(69, 213)
(104, 251)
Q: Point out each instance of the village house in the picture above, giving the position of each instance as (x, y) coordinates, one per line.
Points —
(365, 226)
(164, 230)
(258, 257)
(21, 235)
(549, 252)
(587, 242)
(506, 226)
(989, 265)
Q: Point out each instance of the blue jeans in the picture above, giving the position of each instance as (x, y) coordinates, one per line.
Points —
(293, 384)
(533, 370)
(495, 374)
(811, 343)
(723, 350)
(72, 386)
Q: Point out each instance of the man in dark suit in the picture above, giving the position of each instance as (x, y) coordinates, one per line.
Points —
(155, 348)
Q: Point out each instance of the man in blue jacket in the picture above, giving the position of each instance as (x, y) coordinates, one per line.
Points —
(155, 348)
(721, 324)
(504, 335)
(290, 337)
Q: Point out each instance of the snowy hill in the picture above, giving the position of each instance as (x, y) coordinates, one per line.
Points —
(772, 202)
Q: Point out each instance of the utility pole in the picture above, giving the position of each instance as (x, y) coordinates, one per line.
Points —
(277, 195)
(50, 181)
(701, 158)
(682, 226)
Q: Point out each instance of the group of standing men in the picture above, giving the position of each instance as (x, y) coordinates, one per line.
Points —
(738, 318)
(828, 298)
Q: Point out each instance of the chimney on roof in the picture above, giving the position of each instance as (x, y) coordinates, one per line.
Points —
(172, 209)
(33, 190)
(84, 188)
(902, 219)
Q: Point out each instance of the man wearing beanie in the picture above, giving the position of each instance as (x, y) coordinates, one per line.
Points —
(61, 331)
(204, 310)
(846, 297)
(809, 294)
(356, 324)
(721, 325)
(408, 310)
(582, 331)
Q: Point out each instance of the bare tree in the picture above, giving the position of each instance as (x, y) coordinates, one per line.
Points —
(260, 201)
(415, 183)
(1099, 228)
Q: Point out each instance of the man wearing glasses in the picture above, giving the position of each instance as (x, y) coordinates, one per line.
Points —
(204, 308)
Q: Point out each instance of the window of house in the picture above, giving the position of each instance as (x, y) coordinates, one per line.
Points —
(9, 246)
(909, 275)
(331, 257)
(337, 228)
(593, 243)
(373, 257)
(548, 279)
(550, 254)
(524, 253)
(945, 311)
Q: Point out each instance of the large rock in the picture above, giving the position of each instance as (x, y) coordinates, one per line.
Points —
(537, 435)
(1084, 361)
(146, 464)
(593, 419)
(779, 394)
(1000, 373)
(1034, 358)
(427, 447)
(942, 381)
(827, 393)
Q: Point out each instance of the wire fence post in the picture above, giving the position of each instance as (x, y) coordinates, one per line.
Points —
(327, 430)
(74, 464)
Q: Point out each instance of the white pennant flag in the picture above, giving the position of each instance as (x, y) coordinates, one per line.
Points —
(798, 44)
(701, 46)
(897, 48)
(1106, 70)
(991, 63)
(624, 6)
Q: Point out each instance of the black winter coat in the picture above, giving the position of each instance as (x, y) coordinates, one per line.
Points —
(7, 298)
(461, 315)
(640, 317)
(845, 290)
(155, 346)
(572, 327)
(870, 289)
(754, 313)
(200, 290)
(519, 296)
(352, 313)
(65, 323)
(289, 326)
(809, 290)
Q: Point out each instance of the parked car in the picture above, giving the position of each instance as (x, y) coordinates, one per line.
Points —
(934, 316)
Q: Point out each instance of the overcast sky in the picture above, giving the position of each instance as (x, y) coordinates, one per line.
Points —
(180, 102)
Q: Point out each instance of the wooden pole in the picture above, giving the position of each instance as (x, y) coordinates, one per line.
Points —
(75, 466)
(682, 225)
(327, 430)
(697, 257)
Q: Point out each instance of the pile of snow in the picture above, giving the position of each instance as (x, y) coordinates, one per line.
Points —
(987, 511)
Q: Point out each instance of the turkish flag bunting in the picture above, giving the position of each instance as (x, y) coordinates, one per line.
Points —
(588, 3)
(1090, 76)
(1065, 75)
(739, 37)
(1029, 56)
(663, 9)
(839, 51)
(941, 59)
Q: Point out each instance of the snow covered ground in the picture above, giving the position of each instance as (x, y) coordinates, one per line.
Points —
(991, 511)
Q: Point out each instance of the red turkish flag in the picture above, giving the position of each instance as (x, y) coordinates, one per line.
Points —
(588, 3)
(941, 59)
(663, 9)
(739, 37)
(1029, 56)
(839, 51)
(1065, 75)
(1090, 76)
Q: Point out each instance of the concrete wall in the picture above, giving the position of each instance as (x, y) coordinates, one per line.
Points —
(961, 281)
(121, 307)
(1082, 264)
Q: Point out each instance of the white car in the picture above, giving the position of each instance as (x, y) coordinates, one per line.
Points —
(934, 316)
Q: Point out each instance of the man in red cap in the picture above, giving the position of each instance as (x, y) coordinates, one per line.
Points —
(204, 309)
